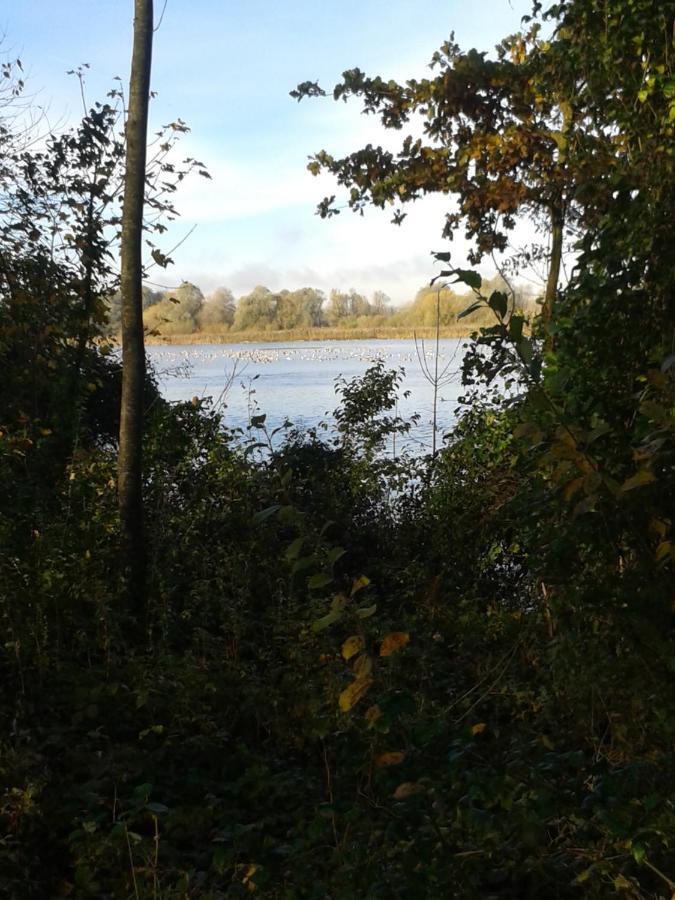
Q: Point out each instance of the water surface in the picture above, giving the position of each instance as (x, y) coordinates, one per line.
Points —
(296, 381)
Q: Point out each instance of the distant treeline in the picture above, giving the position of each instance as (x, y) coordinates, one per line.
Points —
(185, 310)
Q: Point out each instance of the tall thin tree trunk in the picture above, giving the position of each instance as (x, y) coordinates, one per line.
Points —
(133, 349)
(557, 210)
(557, 225)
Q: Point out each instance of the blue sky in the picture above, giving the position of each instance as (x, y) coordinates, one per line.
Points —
(226, 69)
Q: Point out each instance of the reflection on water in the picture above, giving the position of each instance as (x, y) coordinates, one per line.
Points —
(297, 381)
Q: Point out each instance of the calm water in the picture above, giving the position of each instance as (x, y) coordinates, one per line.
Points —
(296, 381)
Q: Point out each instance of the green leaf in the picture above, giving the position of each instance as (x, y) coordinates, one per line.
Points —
(525, 350)
(365, 612)
(638, 852)
(320, 580)
(469, 277)
(335, 554)
(336, 610)
(256, 446)
(516, 328)
(470, 309)
(499, 302)
(157, 808)
(266, 513)
(293, 550)
(303, 563)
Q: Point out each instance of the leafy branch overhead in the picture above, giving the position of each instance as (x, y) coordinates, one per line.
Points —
(491, 137)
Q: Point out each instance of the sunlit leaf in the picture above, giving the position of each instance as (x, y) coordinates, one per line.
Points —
(407, 789)
(392, 758)
(359, 583)
(248, 877)
(644, 476)
(352, 646)
(393, 642)
(663, 550)
(352, 694)
(363, 666)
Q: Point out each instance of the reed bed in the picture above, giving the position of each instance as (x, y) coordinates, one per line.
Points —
(312, 334)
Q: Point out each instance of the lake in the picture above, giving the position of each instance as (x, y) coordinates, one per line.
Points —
(296, 381)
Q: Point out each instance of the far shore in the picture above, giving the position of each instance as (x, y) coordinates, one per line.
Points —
(310, 334)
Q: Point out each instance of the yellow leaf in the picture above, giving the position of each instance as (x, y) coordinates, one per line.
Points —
(644, 476)
(565, 436)
(663, 550)
(359, 583)
(479, 728)
(393, 758)
(248, 878)
(622, 884)
(352, 694)
(352, 646)
(393, 642)
(363, 666)
(407, 789)
(659, 527)
(373, 713)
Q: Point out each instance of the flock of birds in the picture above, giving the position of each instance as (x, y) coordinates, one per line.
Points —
(180, 358)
